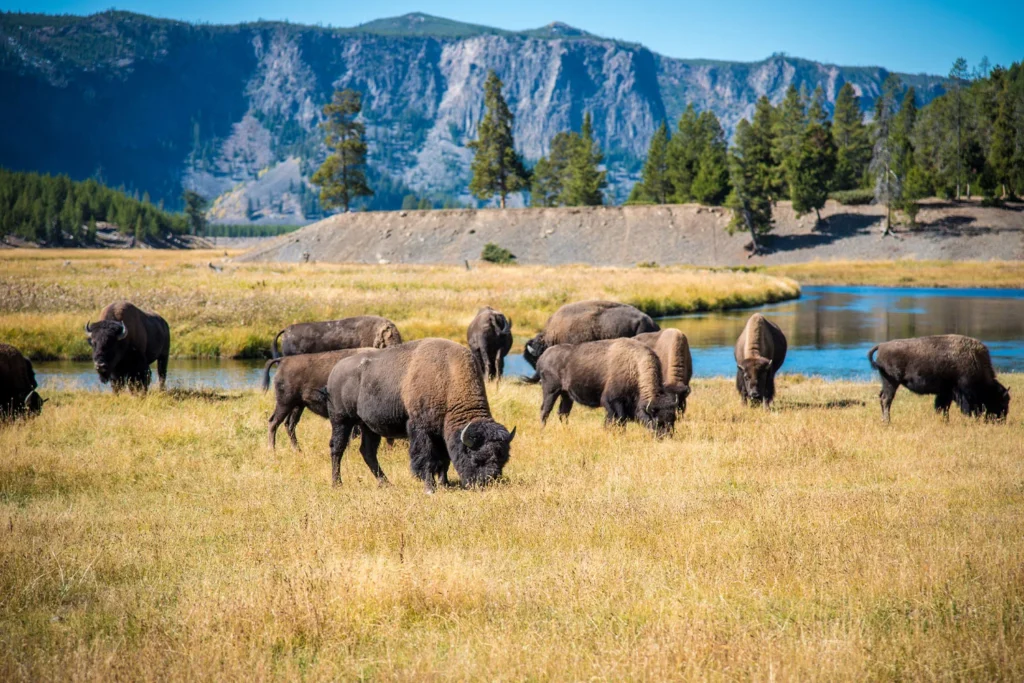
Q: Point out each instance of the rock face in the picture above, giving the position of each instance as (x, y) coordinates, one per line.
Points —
(155, 104)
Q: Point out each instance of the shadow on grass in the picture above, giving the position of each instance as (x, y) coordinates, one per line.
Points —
(837, 404)
(208, 395)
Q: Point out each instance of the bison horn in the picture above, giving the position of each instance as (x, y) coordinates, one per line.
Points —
(124, 332)
(647, 408)
(464, 438)
(512, 434)
(88, 327)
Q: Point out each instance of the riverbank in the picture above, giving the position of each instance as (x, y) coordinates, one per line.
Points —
(157, 537)
(217, 307)
(906, 273)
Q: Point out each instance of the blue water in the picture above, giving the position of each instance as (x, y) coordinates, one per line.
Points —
(829, 329)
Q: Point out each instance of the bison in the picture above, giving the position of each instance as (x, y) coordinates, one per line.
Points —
(490, 339)
(125, 341)
(588, 321)
(362, 331)
(760, 352)
(297, 386)
(673, 351)
(428, 391)
(950, 366)
(620, 375)
(17, 384)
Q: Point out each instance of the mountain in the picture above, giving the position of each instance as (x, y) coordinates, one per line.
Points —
(232, 111)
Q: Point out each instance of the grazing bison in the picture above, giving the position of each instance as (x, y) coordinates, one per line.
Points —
(760, 352)
(673, 351)
(17, 384)
(428, 391)
(362, 331)
(951, 366)
(588, 321)
(490, 339)
(297, 386)
(125, 341)
(620, 375)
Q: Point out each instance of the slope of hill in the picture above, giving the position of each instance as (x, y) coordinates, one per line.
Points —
(155, 104)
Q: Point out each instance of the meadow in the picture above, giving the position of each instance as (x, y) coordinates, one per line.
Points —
(46, 296)
(158, 538)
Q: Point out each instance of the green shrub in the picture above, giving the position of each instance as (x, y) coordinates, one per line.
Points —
(492, 253)
(853, 197)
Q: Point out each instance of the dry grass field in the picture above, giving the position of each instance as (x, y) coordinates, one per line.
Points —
(157, 538)
(46, 296)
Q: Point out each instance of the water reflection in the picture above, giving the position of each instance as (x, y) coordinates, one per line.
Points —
(181, 373)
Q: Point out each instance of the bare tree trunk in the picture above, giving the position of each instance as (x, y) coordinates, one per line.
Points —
(501, 201)
(753, 233)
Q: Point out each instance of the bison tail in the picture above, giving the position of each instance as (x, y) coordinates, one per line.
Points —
(266, 372)
(871, 355)
(531, 380)
(273, 346)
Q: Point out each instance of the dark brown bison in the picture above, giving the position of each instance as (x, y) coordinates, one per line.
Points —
(125, 342)
(587, 321)
(950, 366)
(361, 331)
(297, 386)
(620, 375)
(673, 351)
(760, 352)
(428, 391)
(17, 384)
(490, 339)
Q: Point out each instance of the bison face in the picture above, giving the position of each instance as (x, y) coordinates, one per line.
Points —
(997, 402)
(480, 452)
(660, 414)
(680, 392)
(753, 374)
(34, 403)
(534, 349)
(109, 342)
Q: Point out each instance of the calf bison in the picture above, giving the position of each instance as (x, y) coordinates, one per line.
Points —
(490, 339)
(588, 321)
(17, 384)
(950, 366)
(620, 375)
(125, 341)
(673, 351)
(760, 352)
(428, 391)
(297, 386)
(362, 331)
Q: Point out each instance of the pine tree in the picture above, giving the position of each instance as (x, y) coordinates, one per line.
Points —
(711, 183)
(584, 180)
(342, 176)
(750, 162)
(549, 174)
(195, 211)
(957, 77)
(853, 146)
(888, 189)
(1001, 152)
(817, 111)
(789, 123)
(813, 169)
(654, 186)
(497, 168)
(682, 157)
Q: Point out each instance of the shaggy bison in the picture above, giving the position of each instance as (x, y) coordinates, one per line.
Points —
(297, 386)
(673, 351)
(951, 366)
(490, 339)
(17, 384)
(428, 391)
(362, 331)
(588, 321)
(620, 375)
(760, 352)
(125, 341)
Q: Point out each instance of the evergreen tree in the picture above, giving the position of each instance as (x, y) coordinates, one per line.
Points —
(497, 168)
(682, 157)
(549, 175)
(711, 183)
(812, 170)
(957, 77)
(817, 111)
(789, 123)
(888, 189)
(584, 179)
(654, 186)
(195, 212)
(853, 146)
(342, 176)
(1004, 138)
(751, 174)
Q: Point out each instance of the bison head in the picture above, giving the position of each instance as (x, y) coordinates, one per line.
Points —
(534, 349)
(480, 451)
(659, 414)
(753, 377)
(681, 392)
(34, 402)
(109, 342)
(997, 402)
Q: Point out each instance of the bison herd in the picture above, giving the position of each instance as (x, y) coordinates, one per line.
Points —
(359, 374)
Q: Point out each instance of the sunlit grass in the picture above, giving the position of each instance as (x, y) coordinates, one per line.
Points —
(157, 538)
(906, 273)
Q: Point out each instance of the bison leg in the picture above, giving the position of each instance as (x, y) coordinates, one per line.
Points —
(550, 394)
(614, 412)
(368, 449)
(276, 418)
(425, 458)
(942, 402)
(291, 423)
(885, 396)
(161, 371)
(769, 390)
(341, 433)
(564, 407)
(501, 365)
(741, 386)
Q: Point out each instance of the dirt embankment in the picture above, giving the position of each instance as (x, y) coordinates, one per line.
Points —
(670, 234)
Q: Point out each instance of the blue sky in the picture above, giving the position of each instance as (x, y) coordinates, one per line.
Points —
(901, 35)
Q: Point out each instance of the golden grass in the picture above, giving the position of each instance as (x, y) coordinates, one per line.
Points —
(157, 539)
(47, 296)
(906, 273)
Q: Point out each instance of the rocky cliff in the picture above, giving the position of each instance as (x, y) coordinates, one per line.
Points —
(232, 111)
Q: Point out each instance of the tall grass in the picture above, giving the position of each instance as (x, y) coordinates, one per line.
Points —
(46, 297)
(157, 539)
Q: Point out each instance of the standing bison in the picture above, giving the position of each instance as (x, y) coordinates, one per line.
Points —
(362, 331)
(17, 384)
(428, 391)
(125, 342)
(673, 351)
(490, 340)
(587, 321)
(620, 375)
(297, 386)
(760, 352)
(950, 366)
